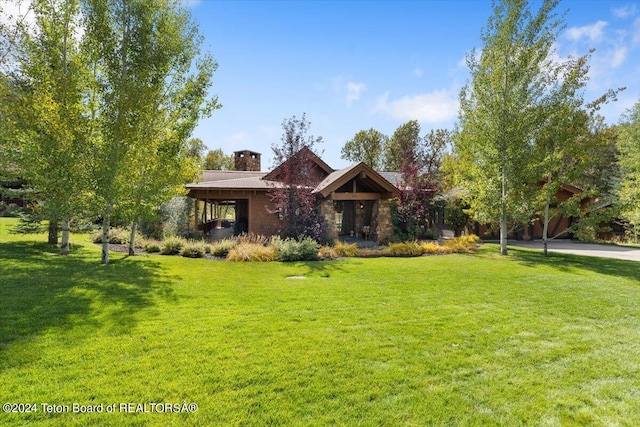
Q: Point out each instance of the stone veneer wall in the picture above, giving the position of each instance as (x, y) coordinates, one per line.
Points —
(329, 213)
(382, 226)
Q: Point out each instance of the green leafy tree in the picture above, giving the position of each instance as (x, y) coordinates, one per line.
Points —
(196, 148)
(405, 139)
(366, 146)
(628, 190)
(151, 90)
(51, 125)
(501, 115)
(217, 160)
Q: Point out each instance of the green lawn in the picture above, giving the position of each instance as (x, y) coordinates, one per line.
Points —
(474, 339)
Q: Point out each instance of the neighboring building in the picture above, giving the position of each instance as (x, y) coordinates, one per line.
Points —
(557, 225)
(353, 200)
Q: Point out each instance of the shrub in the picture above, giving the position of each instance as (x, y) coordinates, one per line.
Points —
(221, 248)
(369, 253)
(194, 249)
(172, 245)
(403, 249)
(252, 252)
(342, 249)
(296, 250)
(461, 244)
(430, 248)
(152, 246)
(326, 252)
(254, 239)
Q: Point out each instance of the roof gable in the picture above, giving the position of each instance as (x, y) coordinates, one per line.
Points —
(361, 172)
(319, 169)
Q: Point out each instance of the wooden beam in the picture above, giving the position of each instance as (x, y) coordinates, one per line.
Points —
(357, 196)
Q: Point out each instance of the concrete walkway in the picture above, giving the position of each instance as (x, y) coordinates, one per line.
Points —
(585, 249)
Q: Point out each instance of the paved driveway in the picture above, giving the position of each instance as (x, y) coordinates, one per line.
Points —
(586, 249)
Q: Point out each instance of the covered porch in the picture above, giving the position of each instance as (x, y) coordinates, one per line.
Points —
(356, 203)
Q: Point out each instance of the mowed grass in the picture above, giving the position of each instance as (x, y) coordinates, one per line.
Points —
(473, 339)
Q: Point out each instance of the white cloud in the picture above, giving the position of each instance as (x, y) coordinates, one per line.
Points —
(592, 32)
(354, 89)
(624, 11)
(435, 107)
(618, 56)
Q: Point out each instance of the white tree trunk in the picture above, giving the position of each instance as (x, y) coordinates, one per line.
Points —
(545, 225)
(106, 224)
(132, 238)
(64, 243)
(503, 215)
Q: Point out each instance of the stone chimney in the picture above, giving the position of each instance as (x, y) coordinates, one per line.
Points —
(246, 160)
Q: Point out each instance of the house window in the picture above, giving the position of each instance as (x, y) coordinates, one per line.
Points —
(339, 222)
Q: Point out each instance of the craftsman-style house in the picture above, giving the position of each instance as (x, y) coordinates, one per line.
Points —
(354, 200)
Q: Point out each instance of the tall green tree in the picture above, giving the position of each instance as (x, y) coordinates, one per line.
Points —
(500, 112)
(52, 128)
(217, 160)
(367, 146)
(152, 83)
(628, 190)
(405, 139)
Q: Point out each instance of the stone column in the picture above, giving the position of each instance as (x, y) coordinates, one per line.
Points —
(329, 214)
(384, 227)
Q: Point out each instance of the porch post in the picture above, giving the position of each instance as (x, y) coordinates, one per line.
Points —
(195, 214)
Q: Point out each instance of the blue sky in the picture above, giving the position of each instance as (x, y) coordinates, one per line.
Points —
(353, 65)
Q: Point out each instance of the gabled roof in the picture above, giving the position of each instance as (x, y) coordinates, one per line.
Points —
(233, 180)
(328, 179)
(340, 177)
(306, 154)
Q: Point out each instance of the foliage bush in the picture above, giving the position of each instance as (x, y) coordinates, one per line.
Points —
(252, 252)
(152, 246)
(408, 249)
(326, 252)
(287, 250)
(462, 244)
(172, 245)
(339, 250)
(430, 248)
(221, 248)
(369, 253)
(176, 214)
(342, 249)
(194, 249)
(254, 239)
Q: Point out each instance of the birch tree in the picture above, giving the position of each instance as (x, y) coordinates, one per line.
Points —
(50, 121)
(500, 114)
(152, 89)
(628, 190)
